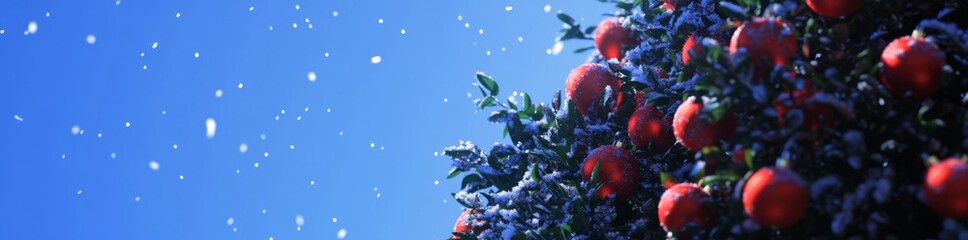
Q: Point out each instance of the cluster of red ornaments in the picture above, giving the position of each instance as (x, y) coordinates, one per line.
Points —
(771, 196)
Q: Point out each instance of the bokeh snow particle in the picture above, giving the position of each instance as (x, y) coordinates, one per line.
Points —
(240, 85)
(380, 21)
(31, 28)
(335, 13)
(91, 39)
(341, 233)
(218, 93)
(300, 220)
(177, 15)
(210, 128)
(154, 165)
(547, 8)
(376, 59)
(230, 221)
(75, 130)
(251, 8)
(508, 8)
(403, 31)
(243, 148)
(311, 76)
(196, 54)
(556, 49)
(154, 45)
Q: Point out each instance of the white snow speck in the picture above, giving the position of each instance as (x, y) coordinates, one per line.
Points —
(263, 211)
(326, 54)
(556, 49)
(480, 31)
(196, 54)
(154, 45)
(137, 198)
(256, 165)
(520, 39)
(114, 155)
(118, 2)
(300, 220)
(403, 31)
(265, 154)
(460, 18)
(341, 233)
(335, 13)
(508, 8)
(294, 25)
(251, 8)
(373, 145)
(210, 128)
(311, 76)
(174, 146)
(445, 99)
(181, 177)
(312, 182)
(297, 6)
(31, 28)
(436, 182)
(218, 93)
(243, 148)
(376, 59)
(547, 8)
(380, 21)
(240, 85)
(230, 221)
(91, 39)
(334, 220)
(75, 130)
(154, 165)
(177, 15)
(79, 192)
(262, 136)
(467, 25)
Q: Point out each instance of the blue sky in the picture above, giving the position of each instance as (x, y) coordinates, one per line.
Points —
(96, 180)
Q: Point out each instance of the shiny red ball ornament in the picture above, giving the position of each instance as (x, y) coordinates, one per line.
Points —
(611, 36)
(834, 8)
(586, 85)
(768, 42)
(912, 65)
(775, 197)
(464, 224)
(694, 132)
(618, 171)
(649, 127)
(946, 188)
(683, 204)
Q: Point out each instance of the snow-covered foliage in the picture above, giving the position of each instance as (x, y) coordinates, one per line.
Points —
(862, 151)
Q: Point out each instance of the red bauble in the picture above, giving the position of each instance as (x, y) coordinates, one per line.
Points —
(946, 188)
(683, 204)
(648, 126)
(463, 224)
(610, 37)
(768, 42)
(693, 132)
(775, 197)
(912, 64)
(834, 8)
(816, 116)
(618, 171)
(670, 5)
(694, 45)
(586, 85)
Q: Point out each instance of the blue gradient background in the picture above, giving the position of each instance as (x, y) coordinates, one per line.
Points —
(54, 80)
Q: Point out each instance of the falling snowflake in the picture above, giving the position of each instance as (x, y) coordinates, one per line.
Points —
(376, 59)
(154, 165)
(311, 76)
(31, 28)
(91, 39)
(341, 234)
(210, 128)
(243, 148)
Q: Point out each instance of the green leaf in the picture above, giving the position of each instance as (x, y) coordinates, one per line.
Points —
(453, 173)
(589, 30)
(471, 179)
(594, 178)
(486, 102)
(488, 83)
(567, 19)
(534, 172)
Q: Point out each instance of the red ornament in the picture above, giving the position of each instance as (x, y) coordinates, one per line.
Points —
(618, 171)
(816, 116)
(946, 188)
(670, 5)
(693, 132)
(913, 65)
(586, 85)
(834, 8)
(648, 126)
(694, 45)
(610, 37)
(775, 197)
(683, 204)
(768, 42)
(463, 224)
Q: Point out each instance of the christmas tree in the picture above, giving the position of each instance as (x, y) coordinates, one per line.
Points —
(735, 119)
